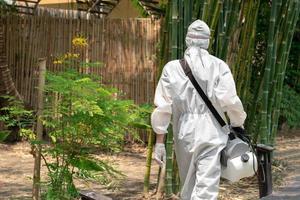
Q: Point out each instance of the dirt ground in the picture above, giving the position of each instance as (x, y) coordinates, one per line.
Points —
(16, 164)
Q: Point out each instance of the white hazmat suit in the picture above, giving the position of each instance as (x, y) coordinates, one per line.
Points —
(198, 137)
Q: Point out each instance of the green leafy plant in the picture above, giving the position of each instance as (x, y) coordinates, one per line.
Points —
(139, 7)
(14, 116)
(290, 107)
(6, 8)
(83, 117)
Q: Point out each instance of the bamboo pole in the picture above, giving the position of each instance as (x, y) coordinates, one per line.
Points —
(221, 29)
(187, 18)
(214, 21)
(246, 49)
(212, 8)
(264, 111)
(180, 27)
(245, 92)
(231, 18)
(272, 70)
(164, 40)
(205, 11)
(198, 9)
(176, 181)
(161, 182)
(148, 161)
(170, 31)
(39, 131)
(279, 61)
(291, 22)
(169, 139)
(169, 163)
(174, 31)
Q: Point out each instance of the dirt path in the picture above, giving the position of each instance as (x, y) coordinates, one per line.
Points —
(16, 167)
(16, 170)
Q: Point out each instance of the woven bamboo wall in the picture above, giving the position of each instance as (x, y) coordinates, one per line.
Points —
(127, 47)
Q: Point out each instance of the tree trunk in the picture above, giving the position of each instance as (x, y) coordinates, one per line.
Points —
(7, 86)
(39, 131)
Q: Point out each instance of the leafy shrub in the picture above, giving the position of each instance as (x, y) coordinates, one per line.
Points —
(6, 8)
(14, 116)
(290, 107)
(81, 117)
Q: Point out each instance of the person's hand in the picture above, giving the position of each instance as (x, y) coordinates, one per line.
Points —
(160, 153)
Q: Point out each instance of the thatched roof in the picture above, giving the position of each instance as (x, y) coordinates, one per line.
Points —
(104, 7)
(151, 7)
(26, 6)
(96, 7)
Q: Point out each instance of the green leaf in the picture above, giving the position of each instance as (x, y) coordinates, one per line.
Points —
(53, 138)
(34, 142)
(87, 164)
(3, 135)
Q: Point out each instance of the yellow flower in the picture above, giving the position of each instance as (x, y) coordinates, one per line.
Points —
(56, 62)
(76, 55)
(79, 42)
(70, 55)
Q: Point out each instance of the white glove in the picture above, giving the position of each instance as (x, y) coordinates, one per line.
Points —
(160, 153)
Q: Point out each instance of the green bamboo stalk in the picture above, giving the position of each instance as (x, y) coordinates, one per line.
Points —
(231, 21)
(176, 181)
(174, 55)
(165, 54)
(188, 10)
(221, 29)
(214, 21)
(223, 24)
(228, 9)
(272, 72)
(211, 12)
(246, 90)
(238, 67)
(201, 11)
(164, 38)
(282, 37)
(292, 22)
(264, 111)
(148, 161)
(281, 12)
(169, 163)
(197, 11)
(252, 122)
(242, 61)
(174, 38)
(170, 23)
(205, 10)
(187, 15)
(180, 27)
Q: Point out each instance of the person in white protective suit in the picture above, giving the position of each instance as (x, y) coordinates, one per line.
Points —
(198, 137)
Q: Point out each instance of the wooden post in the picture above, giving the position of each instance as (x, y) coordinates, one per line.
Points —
(148, 161)
(39, 131)
(161, 182)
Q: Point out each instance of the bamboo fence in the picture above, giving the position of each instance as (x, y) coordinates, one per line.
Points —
(126, 47)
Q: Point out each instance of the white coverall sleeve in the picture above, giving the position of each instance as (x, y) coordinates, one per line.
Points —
(225, 93)
(161, 116)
